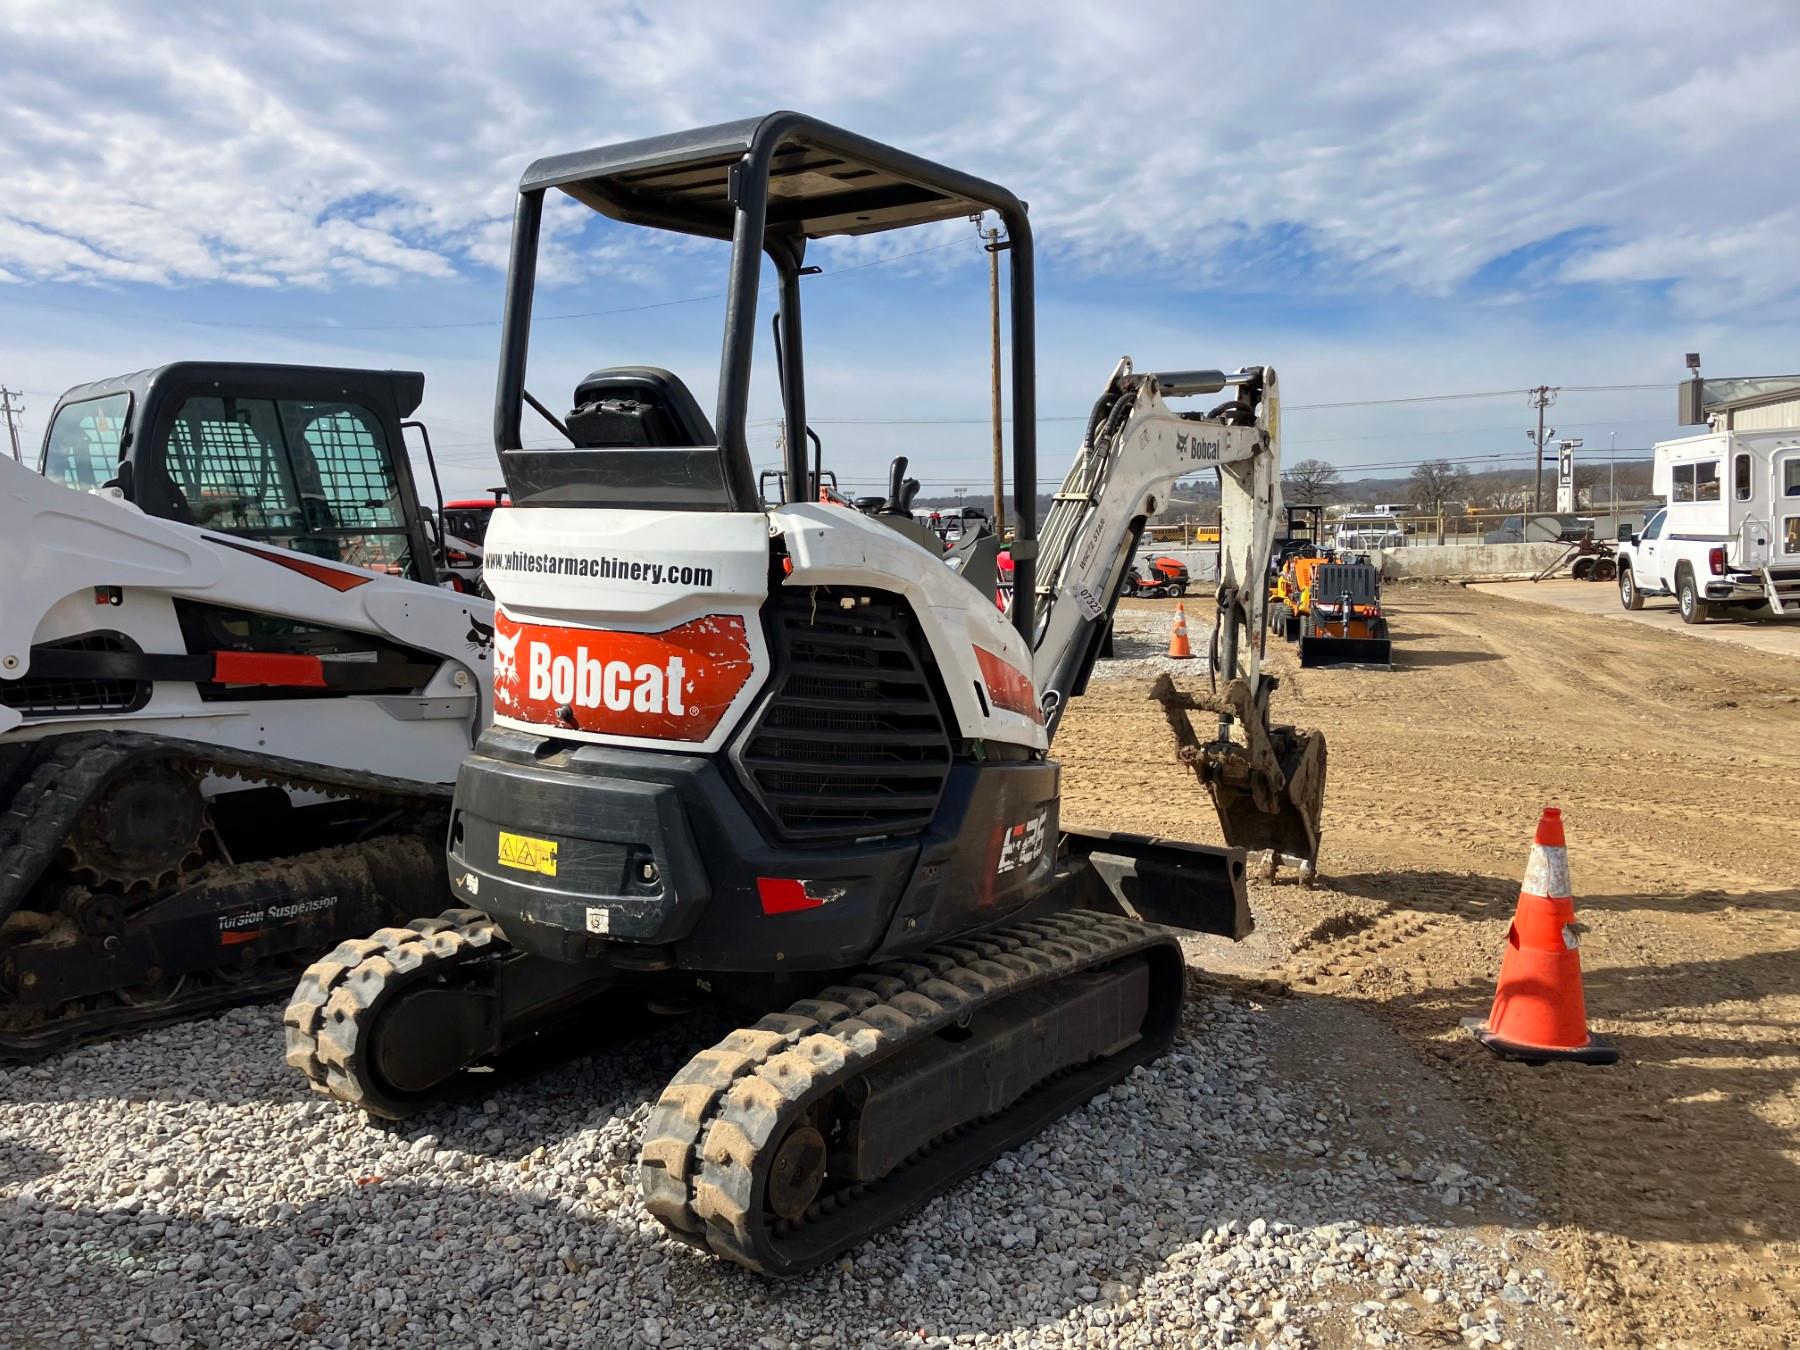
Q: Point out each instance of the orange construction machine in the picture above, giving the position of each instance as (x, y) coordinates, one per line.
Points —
(1333, 608)
(1342, 624)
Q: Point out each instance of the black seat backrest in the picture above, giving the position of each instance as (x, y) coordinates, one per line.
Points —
(1359, 580)
(628, 407)
(975, 557)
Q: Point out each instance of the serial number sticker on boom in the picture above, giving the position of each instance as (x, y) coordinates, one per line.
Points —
(527, 854)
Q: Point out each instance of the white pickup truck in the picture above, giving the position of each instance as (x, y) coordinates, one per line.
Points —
(1729, 534)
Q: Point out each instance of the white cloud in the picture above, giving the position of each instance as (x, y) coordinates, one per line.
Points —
(183, 144)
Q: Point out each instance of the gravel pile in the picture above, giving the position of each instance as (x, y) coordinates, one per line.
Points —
(1141, 646)
(183, 1189)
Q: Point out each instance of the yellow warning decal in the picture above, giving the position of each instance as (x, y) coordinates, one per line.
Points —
(528, 854)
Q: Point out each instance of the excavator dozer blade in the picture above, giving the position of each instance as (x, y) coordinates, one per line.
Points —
(1317, 649)
(1165, 881)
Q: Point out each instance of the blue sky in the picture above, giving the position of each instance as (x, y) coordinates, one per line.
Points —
(1409, 200)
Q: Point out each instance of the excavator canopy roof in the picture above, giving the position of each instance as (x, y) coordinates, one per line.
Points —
(823, 180)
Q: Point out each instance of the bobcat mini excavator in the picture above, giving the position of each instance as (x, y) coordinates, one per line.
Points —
(794, 754)
(233, 694)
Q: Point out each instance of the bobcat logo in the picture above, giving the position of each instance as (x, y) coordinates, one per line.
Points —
(506, 651)
(481, 635)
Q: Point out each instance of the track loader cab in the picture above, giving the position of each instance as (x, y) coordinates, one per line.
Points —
(761, 753)
(303, 457)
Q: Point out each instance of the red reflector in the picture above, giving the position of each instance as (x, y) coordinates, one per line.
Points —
(280, 668)
(1715, 559)
(783, 895)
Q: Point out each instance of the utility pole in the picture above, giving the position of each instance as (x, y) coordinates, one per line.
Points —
(994, 247)
(1541, 397)
(12, 412)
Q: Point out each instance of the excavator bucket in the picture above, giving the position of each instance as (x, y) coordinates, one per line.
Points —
(1269, 790)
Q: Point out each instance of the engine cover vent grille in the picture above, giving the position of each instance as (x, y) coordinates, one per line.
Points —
(850, 741)
(41, 696)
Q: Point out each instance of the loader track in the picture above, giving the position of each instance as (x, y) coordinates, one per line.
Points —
(721, 1129)
(67, 775)
(72, 770)
(331, 1018)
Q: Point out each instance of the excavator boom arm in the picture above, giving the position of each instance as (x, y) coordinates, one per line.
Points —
(1135, 450)
(1267, 782)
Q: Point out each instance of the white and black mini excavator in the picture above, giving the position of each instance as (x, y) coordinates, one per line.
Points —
(233, 693)
(792, 756)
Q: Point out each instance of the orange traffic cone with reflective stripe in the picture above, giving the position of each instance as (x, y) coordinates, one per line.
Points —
(1539, 1013)
(1178, 640)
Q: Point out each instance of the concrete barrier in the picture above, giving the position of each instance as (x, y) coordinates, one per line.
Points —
(1421, 562)
(1442, 562)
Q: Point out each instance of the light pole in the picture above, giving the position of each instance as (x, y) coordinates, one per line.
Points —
(1612, 489)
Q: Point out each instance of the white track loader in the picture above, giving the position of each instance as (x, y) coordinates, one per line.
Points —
(792, 755)
(233, 695)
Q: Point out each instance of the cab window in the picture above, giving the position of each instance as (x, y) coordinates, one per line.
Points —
(1653, 529)
(82, 449)
(317, 477)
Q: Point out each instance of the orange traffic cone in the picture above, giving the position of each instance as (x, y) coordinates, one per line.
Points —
(1178, 640)
(1539, 1013)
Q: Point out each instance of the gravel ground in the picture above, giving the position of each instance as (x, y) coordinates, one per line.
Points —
(1285, 1176)
(1141, 636)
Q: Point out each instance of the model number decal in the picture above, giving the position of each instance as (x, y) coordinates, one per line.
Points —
(1024, 843)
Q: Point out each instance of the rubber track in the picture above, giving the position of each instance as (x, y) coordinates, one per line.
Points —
(339, 999)
(732, 1103)
(73, 769)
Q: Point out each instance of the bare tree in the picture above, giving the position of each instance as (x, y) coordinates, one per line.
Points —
(1311, 480)
(1436, 482)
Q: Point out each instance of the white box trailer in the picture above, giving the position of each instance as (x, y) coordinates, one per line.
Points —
(1729, 530)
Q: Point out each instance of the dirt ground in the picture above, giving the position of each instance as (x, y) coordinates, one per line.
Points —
(1673, 1179)
(1759, 629)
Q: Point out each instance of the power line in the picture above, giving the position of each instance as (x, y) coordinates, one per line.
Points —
(1285, 408)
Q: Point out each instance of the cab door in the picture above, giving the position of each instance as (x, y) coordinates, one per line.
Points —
(1649, 554)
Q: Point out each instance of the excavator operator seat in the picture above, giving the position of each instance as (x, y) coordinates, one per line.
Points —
(976, 558)
(637, 407)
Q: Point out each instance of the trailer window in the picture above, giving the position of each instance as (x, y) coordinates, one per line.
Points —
(1790, 486)
(1682, 484)
(82, 449)
(1790, 541)
(1706, 481)
(1740, 478)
